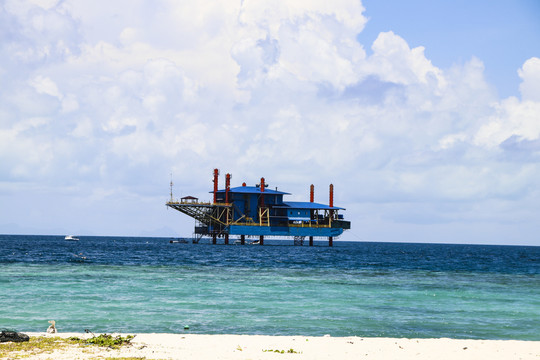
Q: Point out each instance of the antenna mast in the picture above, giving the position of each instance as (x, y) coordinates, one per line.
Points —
(171, 188)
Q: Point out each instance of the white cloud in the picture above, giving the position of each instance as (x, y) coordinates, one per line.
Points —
(44, 85)
(38, 31)
(394, 61)
(530, 74)
(511, 118)
(83, 129)
(69, 103)
(282, 90)
(313, 41)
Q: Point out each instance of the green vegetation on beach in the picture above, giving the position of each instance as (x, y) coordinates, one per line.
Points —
(36, 345)
(47, 345)
(290, 351)
(105, 340)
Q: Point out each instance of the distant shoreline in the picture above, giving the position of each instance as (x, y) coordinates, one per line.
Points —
(190, 346)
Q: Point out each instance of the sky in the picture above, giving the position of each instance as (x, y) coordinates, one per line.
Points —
(425, 115)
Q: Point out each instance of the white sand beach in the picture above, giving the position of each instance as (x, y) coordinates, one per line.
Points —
(235, 347)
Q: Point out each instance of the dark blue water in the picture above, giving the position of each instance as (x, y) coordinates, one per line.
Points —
(365, 289)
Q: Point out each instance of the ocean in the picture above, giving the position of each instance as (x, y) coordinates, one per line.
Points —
(148, 285)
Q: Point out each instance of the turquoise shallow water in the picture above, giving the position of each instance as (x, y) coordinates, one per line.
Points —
(362, 289)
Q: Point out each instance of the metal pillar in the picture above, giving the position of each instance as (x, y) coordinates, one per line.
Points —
(226, 239)
(216, 174)
(227, 187)
(311, 199)
(330, 241)
(331, 212)
(242, 239)
(261, 239)
(214, 239)
(261, 201)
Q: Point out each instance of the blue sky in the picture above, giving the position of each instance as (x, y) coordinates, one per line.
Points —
(424, 115)
(503, 34)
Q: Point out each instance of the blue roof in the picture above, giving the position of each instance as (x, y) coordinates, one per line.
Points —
(286, 204)
(253, 190)
(309, 205)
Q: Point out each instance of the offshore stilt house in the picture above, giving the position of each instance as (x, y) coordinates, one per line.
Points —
(259, 211)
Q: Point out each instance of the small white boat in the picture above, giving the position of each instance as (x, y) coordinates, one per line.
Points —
(71, 238)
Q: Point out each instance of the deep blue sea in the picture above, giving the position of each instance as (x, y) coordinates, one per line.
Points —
(127, 284)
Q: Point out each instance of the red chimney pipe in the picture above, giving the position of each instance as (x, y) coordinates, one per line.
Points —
(227, 187)
(216, 174)
(311, 193)
(331, 196)
(262, 190)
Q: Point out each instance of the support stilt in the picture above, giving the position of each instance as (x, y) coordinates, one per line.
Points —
(226, 239)
(214, 239)
(261, 239)
(311, 241)
(242, 239)
(330, 241)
